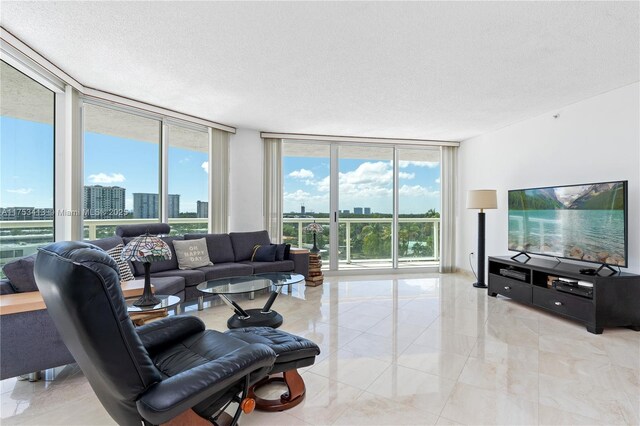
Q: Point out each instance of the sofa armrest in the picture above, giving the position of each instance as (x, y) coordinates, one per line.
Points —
(168, 330)
(6, 287)
(169, 398)
(300, 259)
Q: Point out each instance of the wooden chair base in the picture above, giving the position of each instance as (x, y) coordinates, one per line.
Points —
(294, 395)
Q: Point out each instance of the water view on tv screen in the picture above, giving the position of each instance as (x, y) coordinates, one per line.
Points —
(585, 222)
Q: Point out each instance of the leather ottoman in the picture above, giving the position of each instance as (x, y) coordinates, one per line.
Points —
(292, 352)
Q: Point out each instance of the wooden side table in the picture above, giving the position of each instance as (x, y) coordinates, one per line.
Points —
(315, 277)
(140, 315)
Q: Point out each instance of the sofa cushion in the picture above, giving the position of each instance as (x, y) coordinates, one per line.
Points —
(165, 265)
(192, 254)
(264, 253)
(124, 269)
(282, 251)
(218, 245)
(244, 242)
(191, 276)
(107, 243)
(167, 285)
(20, 274)
(277, 266)
(224, 270)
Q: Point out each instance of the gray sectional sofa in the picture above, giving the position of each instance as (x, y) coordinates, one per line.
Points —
(29, 342)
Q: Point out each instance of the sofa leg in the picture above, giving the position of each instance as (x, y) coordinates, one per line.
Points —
(200, 303)
(178, 309)
(252, 295)
(35, 376)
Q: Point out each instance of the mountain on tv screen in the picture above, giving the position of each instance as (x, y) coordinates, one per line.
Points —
(583, 222)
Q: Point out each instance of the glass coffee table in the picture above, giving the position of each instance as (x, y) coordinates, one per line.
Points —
(261, 317)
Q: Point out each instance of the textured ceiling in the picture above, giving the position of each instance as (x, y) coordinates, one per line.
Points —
(428, 70)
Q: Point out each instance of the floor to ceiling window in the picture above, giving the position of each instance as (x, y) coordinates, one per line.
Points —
(372, 191)
(121, 170)
(188, 180)
(418, 206)
(365, 219)
(306, 194)
(27, 112)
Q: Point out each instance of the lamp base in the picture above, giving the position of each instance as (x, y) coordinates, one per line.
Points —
(147, 301)
(479, 285)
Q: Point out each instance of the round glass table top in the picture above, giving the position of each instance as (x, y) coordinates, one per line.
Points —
(166, 301)
(249, 283)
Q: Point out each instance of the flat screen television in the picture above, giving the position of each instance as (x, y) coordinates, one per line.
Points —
(585, 222)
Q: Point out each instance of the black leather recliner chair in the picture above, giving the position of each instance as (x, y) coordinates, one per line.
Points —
(151, 374)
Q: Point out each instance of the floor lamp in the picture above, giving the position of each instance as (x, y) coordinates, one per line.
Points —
(481, 199)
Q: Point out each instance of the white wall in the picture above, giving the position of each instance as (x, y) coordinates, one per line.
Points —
(245, 181)
(594, 140)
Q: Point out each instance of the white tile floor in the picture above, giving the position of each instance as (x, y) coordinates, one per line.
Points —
(411, 349)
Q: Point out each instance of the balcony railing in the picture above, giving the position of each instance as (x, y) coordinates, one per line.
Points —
(361, 240)
(418, 238)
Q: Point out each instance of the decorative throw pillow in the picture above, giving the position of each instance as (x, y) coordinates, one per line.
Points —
(264, 253)
(20, 274)
(192, 254)
(282, 251)
(123, 265)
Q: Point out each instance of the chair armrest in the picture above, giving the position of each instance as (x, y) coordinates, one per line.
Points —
(168, 398)
(168, 330)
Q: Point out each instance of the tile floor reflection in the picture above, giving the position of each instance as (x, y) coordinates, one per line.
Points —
(408, 350)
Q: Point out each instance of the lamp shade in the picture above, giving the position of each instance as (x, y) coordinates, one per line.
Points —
(482, 199)
(314, 227)
(147, 249)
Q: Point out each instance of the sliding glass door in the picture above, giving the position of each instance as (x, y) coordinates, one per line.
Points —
(306, 195)
(379, 205)
(365, 207)
(418, 207)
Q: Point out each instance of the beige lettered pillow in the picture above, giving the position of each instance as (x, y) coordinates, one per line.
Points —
(192, 254)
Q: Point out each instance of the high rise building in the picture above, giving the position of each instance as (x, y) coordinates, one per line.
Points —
(302, 210)
(357, 210)
(104, 202)
(145, 205)
(202, 209)
(367, 210)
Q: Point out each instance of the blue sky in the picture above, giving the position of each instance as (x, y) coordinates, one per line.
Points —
(134, 165)
(363, 183)
(27, 174)
(26, 163)
(26, 159)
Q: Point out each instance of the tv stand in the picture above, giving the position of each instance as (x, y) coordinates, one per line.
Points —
(522, 253)
(604, 265)
(614, 302)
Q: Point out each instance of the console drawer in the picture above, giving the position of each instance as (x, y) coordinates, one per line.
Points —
(510, 288)
(566, 304)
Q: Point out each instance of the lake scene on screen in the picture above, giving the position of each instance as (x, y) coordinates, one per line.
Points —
(585, 222)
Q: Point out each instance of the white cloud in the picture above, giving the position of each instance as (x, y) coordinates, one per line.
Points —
(298, 196)
(429, 164)
(438, 180)
(368, 180)
(205, 166)
(301, 174)
(21, 191)
(417, 191)
(405, 175)
(106, 178)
